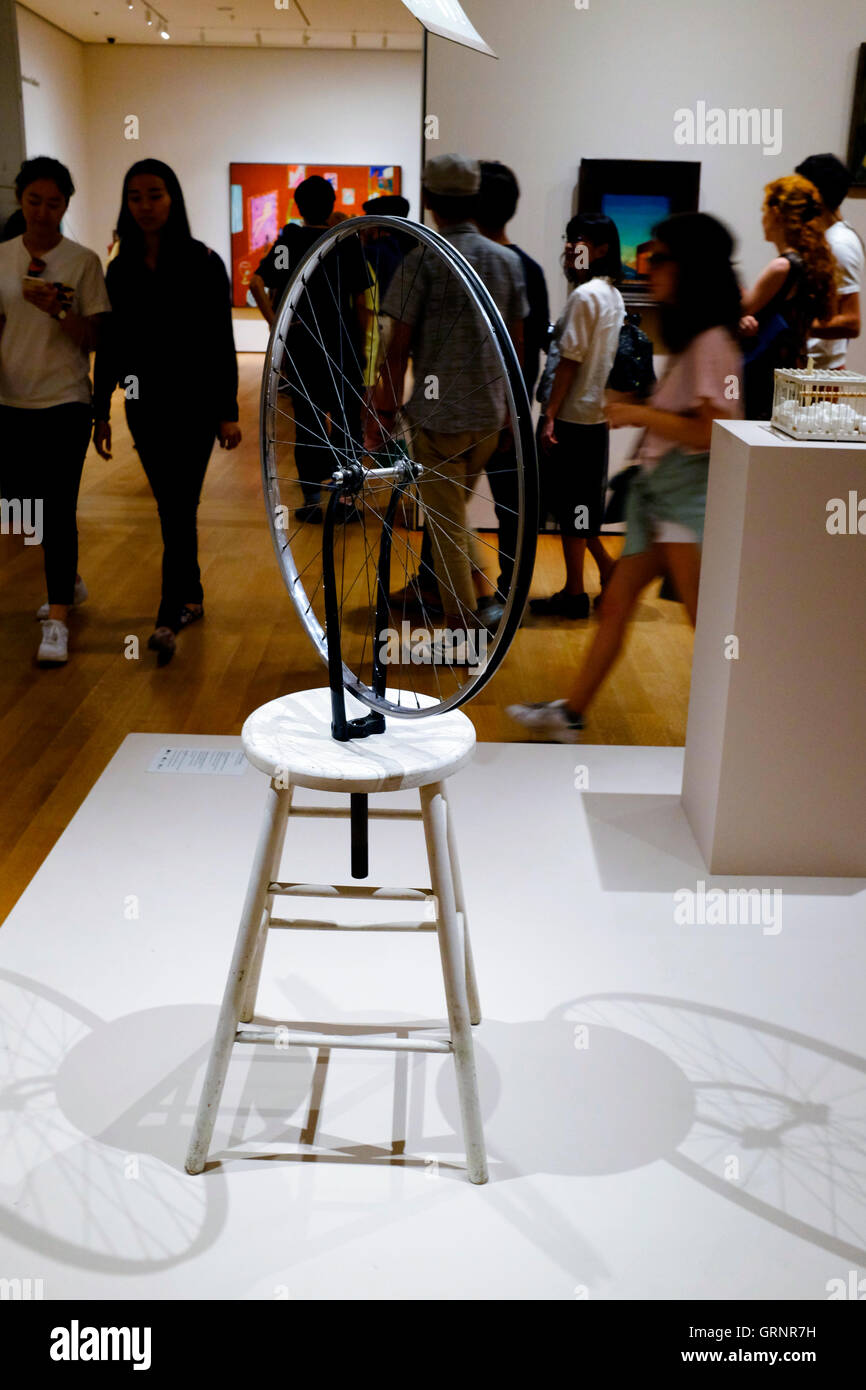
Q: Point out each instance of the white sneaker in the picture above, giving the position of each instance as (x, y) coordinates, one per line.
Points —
(551, 720)
(462, 651)
(54, 647)
(80, 595)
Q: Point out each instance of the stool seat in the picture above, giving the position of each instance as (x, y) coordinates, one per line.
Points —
(291, 738)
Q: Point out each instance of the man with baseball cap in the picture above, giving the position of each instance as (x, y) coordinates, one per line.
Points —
(455, 427)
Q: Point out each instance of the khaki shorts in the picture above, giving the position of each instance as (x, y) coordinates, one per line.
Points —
(452, 466)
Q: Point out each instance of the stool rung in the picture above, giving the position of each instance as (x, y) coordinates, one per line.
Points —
(349, 890)
(341, 812)
(364, 1042)
(317, 924)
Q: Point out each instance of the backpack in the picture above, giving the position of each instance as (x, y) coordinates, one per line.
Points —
(632, 370)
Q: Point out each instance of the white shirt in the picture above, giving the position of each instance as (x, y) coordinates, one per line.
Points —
(594, 315)
(847, 250)
(40, 365)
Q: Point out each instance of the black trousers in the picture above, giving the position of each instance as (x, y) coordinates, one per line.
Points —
(574, 475)
(502, 477)
(175, 451)
(41, 461)
(327, 409)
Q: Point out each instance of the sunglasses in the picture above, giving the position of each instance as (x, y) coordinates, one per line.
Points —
(35, 267)
(660, 258)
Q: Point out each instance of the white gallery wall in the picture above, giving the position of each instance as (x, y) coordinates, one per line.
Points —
(55, 111)
(201, 109)
(603, 82)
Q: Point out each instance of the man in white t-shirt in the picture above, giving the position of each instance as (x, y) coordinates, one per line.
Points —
(829, 346)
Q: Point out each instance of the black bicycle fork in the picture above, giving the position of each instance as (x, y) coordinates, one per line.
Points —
(342, 728)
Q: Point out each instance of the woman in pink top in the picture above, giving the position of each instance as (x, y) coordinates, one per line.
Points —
(693, 280)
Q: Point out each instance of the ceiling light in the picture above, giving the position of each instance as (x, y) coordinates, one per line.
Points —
(164, 34)
(447, 18)
(147, 18)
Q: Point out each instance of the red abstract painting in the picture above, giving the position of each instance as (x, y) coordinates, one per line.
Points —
(262, 202)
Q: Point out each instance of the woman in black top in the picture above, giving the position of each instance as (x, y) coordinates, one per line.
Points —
(797, 288)
(171, 348)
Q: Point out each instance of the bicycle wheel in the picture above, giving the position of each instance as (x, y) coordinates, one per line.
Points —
(777, 1120)
(367, 415)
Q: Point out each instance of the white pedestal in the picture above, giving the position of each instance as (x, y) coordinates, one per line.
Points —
(775, 764)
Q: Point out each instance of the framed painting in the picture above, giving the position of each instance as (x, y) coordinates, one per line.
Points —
(857, 137)
(636, 194)
(262, 202)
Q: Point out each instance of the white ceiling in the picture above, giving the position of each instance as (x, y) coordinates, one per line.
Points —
(327, 23)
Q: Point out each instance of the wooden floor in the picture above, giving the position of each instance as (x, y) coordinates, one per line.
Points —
(59, 728)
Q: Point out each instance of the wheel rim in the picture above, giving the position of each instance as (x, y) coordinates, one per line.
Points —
(314, 375)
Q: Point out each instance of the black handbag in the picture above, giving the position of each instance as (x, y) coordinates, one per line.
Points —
(632, 372)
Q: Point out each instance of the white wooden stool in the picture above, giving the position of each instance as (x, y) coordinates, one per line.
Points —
(290, 740)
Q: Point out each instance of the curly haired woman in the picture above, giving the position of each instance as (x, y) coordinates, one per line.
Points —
(795, 289)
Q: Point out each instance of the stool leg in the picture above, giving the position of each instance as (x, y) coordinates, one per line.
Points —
(255, 970)
(460, 901)
(273, 827)
(435, 814)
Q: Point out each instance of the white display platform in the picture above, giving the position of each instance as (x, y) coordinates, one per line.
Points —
(251, 334)
(671, 1110)
(775, 765)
